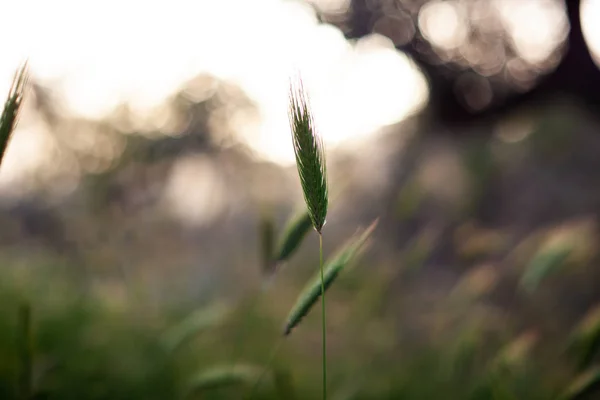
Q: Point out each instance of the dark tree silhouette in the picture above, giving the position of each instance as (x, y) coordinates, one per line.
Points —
(575, 76)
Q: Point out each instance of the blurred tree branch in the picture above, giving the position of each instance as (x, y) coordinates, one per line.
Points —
(576, 75)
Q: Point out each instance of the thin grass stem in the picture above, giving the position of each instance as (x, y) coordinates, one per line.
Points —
(324, 319)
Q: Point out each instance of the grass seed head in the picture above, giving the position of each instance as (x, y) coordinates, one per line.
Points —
(10, 113)
(310, 154)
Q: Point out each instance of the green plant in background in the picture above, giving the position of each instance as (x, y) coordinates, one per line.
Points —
(223, 376)
(25, 351)
(544, 263)
(583, 385)
(266, 230)
(310, 160)
(293, 234)
(274, 253)
(12, 106)
(197, 322)
(584, 341)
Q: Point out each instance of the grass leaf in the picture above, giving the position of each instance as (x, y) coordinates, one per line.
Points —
(293, 234)
(284, 384)
(583, 385)
(312, 291)
(223, 376)
(544, 263)
(584, 341)
(194, 324)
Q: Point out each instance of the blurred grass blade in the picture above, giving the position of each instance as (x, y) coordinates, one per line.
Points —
(293, 234)
(349, 391)
(584, 341)
(10, 113)
(223, 376)
(310, 154)
(25, 352)
(194, 324)
(284, 384)
(544, 263)
(583, 385)
(267, 242)
(515, 355)
(419, 249)
(312, 291)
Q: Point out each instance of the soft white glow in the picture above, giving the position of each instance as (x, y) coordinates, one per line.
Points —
(108, 52)
(331, 6)
(590, 11)
(443, 23)
(536, 26)
(102, 53)
(198, 202)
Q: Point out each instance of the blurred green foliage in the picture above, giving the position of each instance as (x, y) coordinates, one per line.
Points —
(82, 346)
(436, 310)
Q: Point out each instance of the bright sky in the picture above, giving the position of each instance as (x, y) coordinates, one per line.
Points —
(110, 51)
(102, 53)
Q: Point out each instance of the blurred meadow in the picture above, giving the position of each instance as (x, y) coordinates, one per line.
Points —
(149, 187)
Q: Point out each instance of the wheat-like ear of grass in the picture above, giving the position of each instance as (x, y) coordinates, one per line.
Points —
(312, 291)
(10, 113)
(310, 161)
(310, 155)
